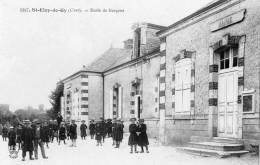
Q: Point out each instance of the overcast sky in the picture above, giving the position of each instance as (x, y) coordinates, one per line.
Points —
(38, 49)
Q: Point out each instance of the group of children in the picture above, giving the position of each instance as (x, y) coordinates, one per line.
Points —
(115, 130)
(29, 135)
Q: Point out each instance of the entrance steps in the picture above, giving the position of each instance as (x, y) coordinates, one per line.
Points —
(219, 147)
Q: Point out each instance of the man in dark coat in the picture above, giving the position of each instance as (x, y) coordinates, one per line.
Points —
(27, 140)
(73, 133)
(46, 133)
(83, 130)
(132, 140)
(59, 119)
(38, 140)
(142, 137)
(118, 133)
(92, 129)
(98, 131)
(62, 133)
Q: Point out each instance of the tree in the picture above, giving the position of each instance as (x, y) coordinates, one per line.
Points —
(55, 100)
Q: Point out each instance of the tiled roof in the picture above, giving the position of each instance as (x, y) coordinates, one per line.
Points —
(111, 58)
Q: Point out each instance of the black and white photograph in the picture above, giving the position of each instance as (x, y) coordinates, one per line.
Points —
(130, 82)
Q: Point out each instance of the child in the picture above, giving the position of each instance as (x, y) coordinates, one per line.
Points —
(4, 133)
(83, 130)
(98, 131)
(18, 136)
(73, 133)
(142, 137)
(12, 138)
(92, 129)
(132, 140)
(62, 133)
(118, 136)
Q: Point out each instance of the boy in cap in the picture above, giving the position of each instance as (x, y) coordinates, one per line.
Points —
(18, 135)
(142, 137)
(83, 130)
(62, 132)
(92, 129)
(73, 133)
(103, 129)
(98, 131)
(113, 131)
(4, 133)
(118, 133)
(11, 139)
(132, 140)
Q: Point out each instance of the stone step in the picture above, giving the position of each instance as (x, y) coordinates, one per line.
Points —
(207, 152)
(227, 140)
(217, 146)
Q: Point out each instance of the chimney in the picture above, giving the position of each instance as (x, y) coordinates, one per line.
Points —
(128, 44)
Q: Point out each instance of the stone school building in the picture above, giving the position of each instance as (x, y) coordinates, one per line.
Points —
(197, 79)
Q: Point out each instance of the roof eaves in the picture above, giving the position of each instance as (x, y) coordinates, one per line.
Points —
(198, 12)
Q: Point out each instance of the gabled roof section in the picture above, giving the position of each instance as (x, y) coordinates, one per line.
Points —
(111, 58)
(208, 7)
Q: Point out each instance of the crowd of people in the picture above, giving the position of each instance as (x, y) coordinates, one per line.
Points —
(29, 136)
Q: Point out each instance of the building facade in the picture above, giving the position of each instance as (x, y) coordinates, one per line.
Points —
(81, 96)
(197, 78)
(213, 73)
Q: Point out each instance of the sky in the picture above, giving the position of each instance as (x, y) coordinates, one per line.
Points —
(37, 49)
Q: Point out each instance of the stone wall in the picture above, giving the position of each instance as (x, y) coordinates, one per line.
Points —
(195, 35)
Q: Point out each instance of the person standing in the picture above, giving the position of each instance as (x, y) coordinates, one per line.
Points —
(109, 128)
(38, 140)
(27, 140)
(62, 133)
(142, 137)
(92, 129)
(59, 119)
(11, 138)
(103, 129)
(18, 136)
(5, 133)
(73, 133)
(46, 134)
(83, 130)
(132, 140)
(113, 131)
(98, 131)
(118, 133)
(68, 129)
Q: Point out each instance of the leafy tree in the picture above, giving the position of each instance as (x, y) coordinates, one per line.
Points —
(55, 100)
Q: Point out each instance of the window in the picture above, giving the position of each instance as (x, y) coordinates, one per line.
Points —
(84, 83)
(84, 91)
(84, 98)
(248, 101)
(84, 106)
(229, 58)
(182, 86)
